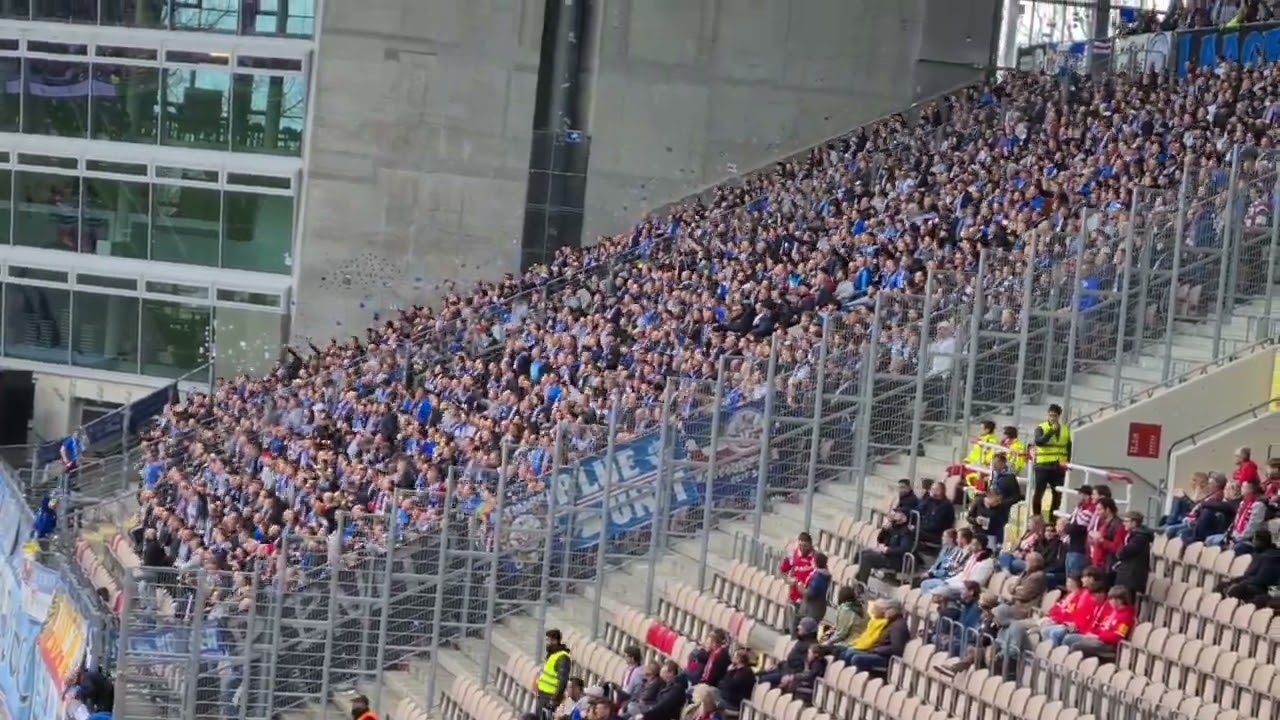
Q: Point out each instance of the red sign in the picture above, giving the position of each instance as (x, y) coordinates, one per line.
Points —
(1144, 440)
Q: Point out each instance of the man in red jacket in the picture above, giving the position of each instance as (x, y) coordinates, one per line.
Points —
(798, 566)
(1114, 623)
(1109, 536)
(1082, 613)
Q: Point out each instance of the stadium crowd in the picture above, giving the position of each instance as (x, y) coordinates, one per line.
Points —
(373, 426)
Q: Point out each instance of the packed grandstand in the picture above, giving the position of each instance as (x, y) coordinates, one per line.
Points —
(432, 421)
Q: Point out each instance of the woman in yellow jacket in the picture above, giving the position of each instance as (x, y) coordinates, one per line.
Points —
(870, 635)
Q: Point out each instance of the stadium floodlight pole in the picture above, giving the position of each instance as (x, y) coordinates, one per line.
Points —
(1069, 374)
(815, 438)
(1179, 241)
(1122, 322)
(924, 361)
(442, 568)
(1024, 329)
(1220, 307)
(606, 513)
(763, 469)
(867, 378)
(548, 548)
(708, 488)
(497, 526)
(661, 493)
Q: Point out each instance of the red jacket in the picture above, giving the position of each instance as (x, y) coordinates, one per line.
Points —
(1064, 610)
(1103, 548)
(798, 567)
(1246, 471)
(1114, 623)
(1086, 611)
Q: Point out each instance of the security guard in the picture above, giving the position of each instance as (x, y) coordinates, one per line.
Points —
(1053, 452)
(979, 457)
(360, 709)
(1015, 449)
(555, 673)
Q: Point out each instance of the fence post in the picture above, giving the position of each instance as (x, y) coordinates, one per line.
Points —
(437, 612)
(762, 471)
(924, 361)
(708, 490)
(195, 644)
(1220, 308)
(1024, 329)
(1179, 241)
(602, 545)
(496, 526)
(277, 617)
(380, 653)
(1122, 323)
(570, 473)
(1069, 376)
(335, 558)
(661, 494)
(548, 549)
(1273, 257)
(975, 330)
(815, 443)
(867, 376)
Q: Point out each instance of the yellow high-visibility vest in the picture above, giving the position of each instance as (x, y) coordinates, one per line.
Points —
(1054, 452)
(1017, 454)
(549, 680)
(980, 454)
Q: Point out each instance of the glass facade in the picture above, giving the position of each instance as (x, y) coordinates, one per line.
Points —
(191, 218)
(212, 101)
(289, 18)
(161, 329)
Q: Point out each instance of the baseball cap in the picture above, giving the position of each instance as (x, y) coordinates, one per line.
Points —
(808, 625)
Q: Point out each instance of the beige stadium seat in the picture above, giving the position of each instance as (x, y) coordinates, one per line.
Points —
(1184, 567)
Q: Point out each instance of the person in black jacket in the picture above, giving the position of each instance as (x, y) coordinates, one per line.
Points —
(907, 500)
(1133, 559)
(1255, 582)
(672, 696)
(895, 541)
(1053, 548)
(806, 635)
(937, 514)
(740, 680)
(989, 517)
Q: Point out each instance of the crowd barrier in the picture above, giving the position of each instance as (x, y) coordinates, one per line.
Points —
(45, 636)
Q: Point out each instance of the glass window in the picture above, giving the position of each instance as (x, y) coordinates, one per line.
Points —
(257, 232)
(56, 98)
(125, 102)
(105, 331)
(194, 110)
(203, 15)
(37, 321)
(11, 100)
(48, 210)
(116, 218)
(246, 341)
(184, 224)
(175, 338)
(133, 13)
(6, 204)
(267, 113)
(76, 11)
(18, 9)
(278, 17)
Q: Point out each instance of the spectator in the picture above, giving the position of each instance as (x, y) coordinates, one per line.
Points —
(907, 502)
(1023, 599)
(1133, 559)
(1271, 487)
(1263, 572)
(870, 635)
(1053, 451)
(599, 709)
(849, 618)
(1108, 537)
(360, 708)
(1184, 501)
(979, 567)
(1012, 561)
(989, 517)
(1203, 517)
(671, 696)
(958, 617)
(894, 542)
(717, 660)
(707, 708)
(1250, 515)
(70, 451)
(1114, 622)
(816, 589)
(794, 663)
(971, 653)
(815, 666)
(952, 555)
(575, 700)
(1061, 614)
(1004, 481)
(1054, 552)
(1087, 607)
(937, 515)
(633, 681)
(649, 692)
(797, 567)
(738, 683)
(1246, 469)
(892, 642)
(46, 519)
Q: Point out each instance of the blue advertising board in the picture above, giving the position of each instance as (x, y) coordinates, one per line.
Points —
(1247, 44)
(110, 428)
(633, 502)
(27, 690)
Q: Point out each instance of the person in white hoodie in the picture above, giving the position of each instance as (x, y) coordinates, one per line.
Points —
(979, 568)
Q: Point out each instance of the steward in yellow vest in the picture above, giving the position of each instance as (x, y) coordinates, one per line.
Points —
(1053, 452)
(554, 677)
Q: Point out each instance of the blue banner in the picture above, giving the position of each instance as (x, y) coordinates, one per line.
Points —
(1247, 44)
(167, 645)
(110, 428)
(27, 592)
(633, 500)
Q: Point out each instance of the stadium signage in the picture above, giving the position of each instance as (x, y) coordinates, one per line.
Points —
(1141, 53)
(1248, 44)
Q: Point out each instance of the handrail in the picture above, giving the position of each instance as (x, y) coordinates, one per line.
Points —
(1174, 381)
(1194, 438)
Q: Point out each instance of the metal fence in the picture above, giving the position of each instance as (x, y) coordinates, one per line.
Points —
(800, 419)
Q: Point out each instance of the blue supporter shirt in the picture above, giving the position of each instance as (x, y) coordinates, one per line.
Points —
(72, 447)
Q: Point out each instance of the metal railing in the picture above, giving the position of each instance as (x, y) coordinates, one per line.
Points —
(1119, 298)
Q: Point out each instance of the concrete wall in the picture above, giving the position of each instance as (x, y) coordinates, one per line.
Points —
(1216, 451)
(420, 129)
(418, 153)
(59, 400)
(1220, 396)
